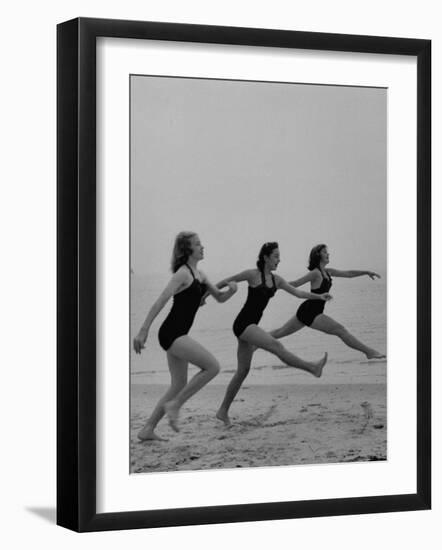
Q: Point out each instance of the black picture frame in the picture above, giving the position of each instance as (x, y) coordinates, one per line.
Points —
(77, 287)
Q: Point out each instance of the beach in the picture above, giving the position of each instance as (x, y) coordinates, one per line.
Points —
(281, 415)
(272, 425)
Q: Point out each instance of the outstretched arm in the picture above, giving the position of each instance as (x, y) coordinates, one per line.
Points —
(178, 280)
(284, 285)
(349, 274)
(302, 280)
(219, 295)
(242, 276)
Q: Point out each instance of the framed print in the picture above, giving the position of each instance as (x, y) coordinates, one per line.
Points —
(243, 274)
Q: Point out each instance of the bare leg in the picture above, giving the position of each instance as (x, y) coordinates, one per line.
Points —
(292, 325)
(326, 324)
(258, 337)
(244, 354)
(190, 351)
(178, 372)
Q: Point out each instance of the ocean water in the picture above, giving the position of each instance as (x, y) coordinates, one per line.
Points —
(360, 304)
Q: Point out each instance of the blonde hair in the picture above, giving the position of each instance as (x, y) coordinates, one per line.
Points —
(182, 249)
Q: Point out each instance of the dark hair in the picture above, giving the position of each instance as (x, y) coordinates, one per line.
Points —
(182, 249)
(315, 256)
(266, 250)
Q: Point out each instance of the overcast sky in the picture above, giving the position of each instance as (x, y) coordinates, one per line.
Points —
(242, 163)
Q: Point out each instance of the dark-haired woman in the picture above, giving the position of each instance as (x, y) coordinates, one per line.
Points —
(311, 312)
(187, 286)
(263, 285)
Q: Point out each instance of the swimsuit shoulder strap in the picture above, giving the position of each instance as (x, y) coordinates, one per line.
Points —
(190, 269)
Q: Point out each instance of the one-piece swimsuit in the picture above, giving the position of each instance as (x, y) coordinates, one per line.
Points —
(257, 299)
(182, 314)
(310, 309)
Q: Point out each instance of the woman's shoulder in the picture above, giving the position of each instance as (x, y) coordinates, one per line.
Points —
(252, 272)
(278, 278)
(201, 275)
(252, 276)
(182, 273)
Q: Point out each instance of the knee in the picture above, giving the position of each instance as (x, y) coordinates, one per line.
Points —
(340, 331)
(214, 368)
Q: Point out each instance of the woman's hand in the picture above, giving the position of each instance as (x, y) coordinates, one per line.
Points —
(373, 275)
(140, 340)
(326, 297)
(233, 287)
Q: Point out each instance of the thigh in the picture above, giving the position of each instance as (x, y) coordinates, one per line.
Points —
(258, 337)
(188, 349)
(326, 324)
(291, 326)
(178, 369)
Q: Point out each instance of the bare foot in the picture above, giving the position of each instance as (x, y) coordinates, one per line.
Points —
(319, 366)
(224, 417)
(373, 354)
(172, 415)
(147, 434)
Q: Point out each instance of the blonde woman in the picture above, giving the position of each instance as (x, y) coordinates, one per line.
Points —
(187, 286)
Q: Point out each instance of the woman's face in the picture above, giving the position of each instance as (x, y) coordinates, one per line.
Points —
(325, 256)
(197, 248)
(273, 259)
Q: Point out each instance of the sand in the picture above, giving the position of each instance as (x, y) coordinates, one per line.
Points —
(271, 426)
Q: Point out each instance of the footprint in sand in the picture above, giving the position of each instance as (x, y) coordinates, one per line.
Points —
(258, 421)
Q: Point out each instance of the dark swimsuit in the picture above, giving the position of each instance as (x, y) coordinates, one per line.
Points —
(181, 316)
(310, 309)
(257, 299)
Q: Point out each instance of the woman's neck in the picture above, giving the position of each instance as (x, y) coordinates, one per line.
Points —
(192, 263)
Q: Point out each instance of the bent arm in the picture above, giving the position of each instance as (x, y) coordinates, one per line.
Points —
(308, 277)
(242, 276)
(284, 285)
(351, 273)
(219, 295)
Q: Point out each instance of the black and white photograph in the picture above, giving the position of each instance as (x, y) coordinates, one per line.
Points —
(258, 274)
(220, 298)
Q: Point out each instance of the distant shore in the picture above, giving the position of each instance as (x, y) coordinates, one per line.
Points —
(272, 425)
